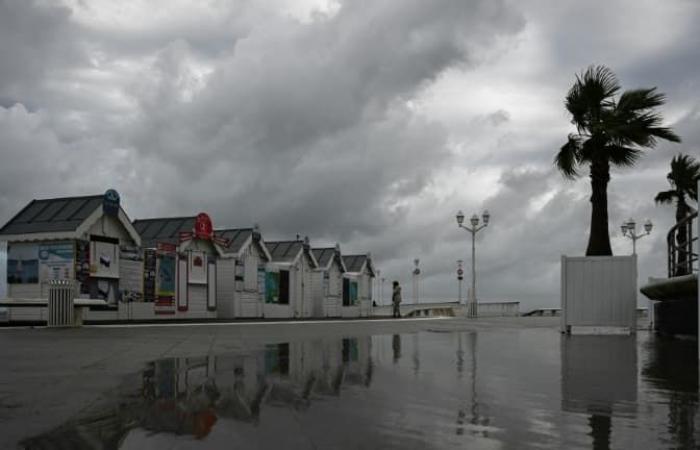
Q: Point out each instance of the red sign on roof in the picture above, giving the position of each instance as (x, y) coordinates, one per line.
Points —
(203, 228)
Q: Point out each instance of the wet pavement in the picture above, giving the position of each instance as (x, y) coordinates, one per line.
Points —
(410, 384)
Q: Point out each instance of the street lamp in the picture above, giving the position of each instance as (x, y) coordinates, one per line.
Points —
(416, 287)
(629, 230)
(473, 229)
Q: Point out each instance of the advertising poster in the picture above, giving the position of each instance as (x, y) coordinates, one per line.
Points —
(104, 258)
(131, 274)
(23, 264)
(272, 286)
(197, 267)
(149, 275)
(56, 261)
(166, 275)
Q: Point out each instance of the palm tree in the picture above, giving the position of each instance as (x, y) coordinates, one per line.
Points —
(683, 178)
(611, 130)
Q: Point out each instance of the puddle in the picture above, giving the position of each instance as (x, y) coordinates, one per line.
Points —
(496, 389)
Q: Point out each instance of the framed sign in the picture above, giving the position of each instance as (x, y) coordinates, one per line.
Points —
(197, 267)
(104, 257)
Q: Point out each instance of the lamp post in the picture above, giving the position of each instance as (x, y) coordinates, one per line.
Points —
(629, 230)
(460, 276)
(416, 287)
(473, 229)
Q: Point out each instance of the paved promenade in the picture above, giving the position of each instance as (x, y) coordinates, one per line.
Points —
(51, 374)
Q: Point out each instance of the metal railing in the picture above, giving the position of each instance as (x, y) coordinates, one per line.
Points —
(682, 247)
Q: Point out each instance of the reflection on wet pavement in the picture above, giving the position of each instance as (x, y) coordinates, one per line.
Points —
(496, 389)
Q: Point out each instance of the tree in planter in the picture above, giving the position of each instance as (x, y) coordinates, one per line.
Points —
(683, 178)
(611, 130)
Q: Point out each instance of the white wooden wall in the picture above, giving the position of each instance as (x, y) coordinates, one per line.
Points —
(599, 291)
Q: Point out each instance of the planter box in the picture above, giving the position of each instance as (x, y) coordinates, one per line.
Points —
(599, 293)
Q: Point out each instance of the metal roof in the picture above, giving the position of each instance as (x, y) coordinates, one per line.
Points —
(284, 251)
(323, 255)
(165, 230)
(236, 237)
(52, 215)
(354, 263)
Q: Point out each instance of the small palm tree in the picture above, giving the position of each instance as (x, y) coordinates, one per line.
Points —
(683, 178)
(611, 130)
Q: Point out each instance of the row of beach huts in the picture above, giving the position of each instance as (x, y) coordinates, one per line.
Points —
(171, 268)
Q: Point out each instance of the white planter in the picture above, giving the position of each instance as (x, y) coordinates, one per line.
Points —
(598, 293)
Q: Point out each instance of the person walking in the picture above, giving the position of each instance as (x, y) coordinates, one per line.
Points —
(396, 299)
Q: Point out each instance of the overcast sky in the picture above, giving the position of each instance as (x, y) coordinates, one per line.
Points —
(368, 123)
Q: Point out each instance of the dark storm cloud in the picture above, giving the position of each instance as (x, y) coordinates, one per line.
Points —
(323, 125)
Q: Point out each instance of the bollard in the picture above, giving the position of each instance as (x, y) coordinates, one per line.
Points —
(60, 307)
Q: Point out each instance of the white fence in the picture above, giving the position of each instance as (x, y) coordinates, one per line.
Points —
(60, 304)
(599, 291)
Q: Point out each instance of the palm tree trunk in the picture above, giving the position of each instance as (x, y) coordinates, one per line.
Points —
(683, 246)
(599, 238)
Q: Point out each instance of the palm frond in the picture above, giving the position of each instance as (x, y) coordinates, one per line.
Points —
(642, 99)
(684, 174)
(620, 155)
(592, 92)
(665, 197)
(568, 158)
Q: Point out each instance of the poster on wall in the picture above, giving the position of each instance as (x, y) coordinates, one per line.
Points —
(23, 264)
(149, 275)
(167, 263)
(166, 275)
(104, 257)
(56, 261)
(197, 267)
(131, 274)
(3, 270)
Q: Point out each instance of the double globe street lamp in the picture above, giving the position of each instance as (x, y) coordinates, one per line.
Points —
(473, 229)
(629, 230)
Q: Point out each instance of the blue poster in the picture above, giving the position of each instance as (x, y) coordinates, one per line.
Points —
(56, 261)
(166, 276)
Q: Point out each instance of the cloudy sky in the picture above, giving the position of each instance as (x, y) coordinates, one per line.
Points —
(368, 123)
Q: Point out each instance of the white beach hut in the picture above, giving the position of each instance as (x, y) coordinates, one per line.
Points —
(180, 256)
(241, 273)
(357, 285)
(289, 281)
(86, 239)
(328, 282)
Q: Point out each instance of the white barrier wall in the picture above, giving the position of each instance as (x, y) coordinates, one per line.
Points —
(498, 309)
(598, 291)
